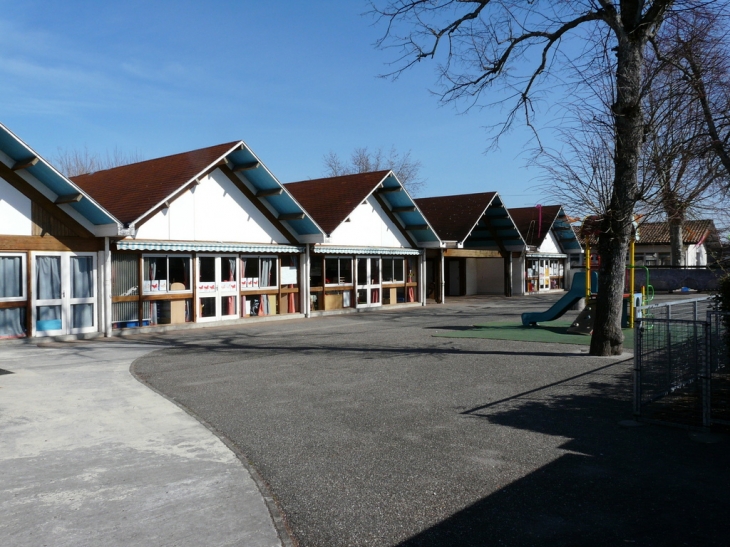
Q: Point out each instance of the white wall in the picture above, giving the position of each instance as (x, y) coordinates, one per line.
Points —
(490, 275)
(471, 276)
(550, 244)
(369, 226)
(15, 215)
(696, 255)
(518, 275)
(214, 210)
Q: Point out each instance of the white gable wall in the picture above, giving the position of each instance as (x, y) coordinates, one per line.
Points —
(15, 216)
(214, 210)
(369, 226)
(550, 244)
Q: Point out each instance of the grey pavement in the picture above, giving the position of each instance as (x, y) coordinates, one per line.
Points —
(372, 432)
(91, 457)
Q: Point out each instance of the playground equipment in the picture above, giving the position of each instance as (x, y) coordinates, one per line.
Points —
(586, 286)
(576, 292)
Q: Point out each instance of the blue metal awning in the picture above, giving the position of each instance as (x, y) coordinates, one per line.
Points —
(273, 192)
(412, 221)
(205, 247)
(47, 175)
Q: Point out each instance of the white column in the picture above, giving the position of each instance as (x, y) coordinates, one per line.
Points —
(306, 302)
(422, 277)
(442, 281)
(107, 288)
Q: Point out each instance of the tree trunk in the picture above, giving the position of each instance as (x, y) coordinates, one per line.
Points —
(613, 241)
(675, 243)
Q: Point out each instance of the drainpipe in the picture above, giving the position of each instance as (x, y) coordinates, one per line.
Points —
(422, 278)
(442, 280)
(107, 289)
(306, 302)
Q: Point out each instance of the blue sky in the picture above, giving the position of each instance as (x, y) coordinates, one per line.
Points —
(294, 80)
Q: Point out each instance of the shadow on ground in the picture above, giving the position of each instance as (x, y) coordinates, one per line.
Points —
(616, 485)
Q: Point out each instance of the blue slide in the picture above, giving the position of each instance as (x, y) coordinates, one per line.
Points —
(576, 292)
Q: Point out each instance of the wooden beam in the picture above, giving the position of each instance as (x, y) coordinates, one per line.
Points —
(411, 209)
(471, 253)
(269, 192)
(413, 227)
(291, 216)
(245, 166)
(390, 190)
(69, 198)
(50, 243)
(24, 164)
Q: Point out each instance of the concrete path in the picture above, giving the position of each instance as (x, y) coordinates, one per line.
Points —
(89, 456)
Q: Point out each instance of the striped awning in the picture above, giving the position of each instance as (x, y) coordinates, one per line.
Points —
(365, 251)
(205, 247)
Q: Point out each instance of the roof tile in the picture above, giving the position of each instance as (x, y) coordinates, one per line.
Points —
(129, 191)
(453, 217)
(329, 201)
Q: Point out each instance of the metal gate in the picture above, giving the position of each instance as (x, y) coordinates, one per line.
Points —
(680, 370)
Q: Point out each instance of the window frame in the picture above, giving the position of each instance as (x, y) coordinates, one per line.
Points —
(392, 259)
(23, 275)
(167, 276)
(258, 258)
(339, 271)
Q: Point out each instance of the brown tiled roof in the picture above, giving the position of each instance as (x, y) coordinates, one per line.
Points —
(657, 233)
(453, 217)
(129, 191)
(526, 219)
(330, 201)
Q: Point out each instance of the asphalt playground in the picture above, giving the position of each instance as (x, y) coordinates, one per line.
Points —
(382, 429)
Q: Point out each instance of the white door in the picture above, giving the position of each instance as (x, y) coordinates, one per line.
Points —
(368, 282)
(217, 287)
(64, 293)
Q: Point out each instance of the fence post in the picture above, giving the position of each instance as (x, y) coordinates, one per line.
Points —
(706, 382)
(638, 328)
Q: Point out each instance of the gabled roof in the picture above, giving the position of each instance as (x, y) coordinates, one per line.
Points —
(26, 159)
(475, 221)
(331, 200)
(693, 231)
(134, 192)
(534, 223)
(130, 191)
(657, 233)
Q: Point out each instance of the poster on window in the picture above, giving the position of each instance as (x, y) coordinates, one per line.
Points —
(289, 275)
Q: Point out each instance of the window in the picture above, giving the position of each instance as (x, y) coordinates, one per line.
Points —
(259, 272)
(338, 271)
(166, 273)
(393, 270)
(412, 269)
(12, 289)
(12, 277)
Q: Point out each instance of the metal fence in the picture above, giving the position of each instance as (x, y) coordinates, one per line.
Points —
(681, 364)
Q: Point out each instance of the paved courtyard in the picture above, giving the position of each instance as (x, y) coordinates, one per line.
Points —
(368, 430)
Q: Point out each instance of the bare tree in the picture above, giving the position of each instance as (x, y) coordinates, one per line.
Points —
(363, 160)
(73, 162)
(516, 46)
(697, 46)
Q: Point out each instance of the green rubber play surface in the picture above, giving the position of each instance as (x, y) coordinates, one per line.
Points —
(553, 332)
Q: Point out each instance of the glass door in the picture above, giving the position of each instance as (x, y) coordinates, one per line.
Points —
(368, 282)
(217, 287)
(64, 293)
